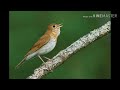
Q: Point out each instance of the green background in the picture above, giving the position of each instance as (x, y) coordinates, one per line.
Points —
(25, 28)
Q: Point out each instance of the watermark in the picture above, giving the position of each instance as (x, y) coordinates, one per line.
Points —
(101, 16)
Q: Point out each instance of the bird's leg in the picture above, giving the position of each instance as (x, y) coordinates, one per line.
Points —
(47, 58)
(41, 59)
(44, 62)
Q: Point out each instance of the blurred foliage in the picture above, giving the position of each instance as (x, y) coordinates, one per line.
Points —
(25, 28)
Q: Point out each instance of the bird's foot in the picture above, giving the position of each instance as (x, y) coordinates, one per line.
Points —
(49, 68)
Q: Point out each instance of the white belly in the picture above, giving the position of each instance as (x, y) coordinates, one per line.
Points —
(47, 48)
(44, 50)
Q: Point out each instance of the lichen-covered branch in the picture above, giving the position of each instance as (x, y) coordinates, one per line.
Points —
(57, 60)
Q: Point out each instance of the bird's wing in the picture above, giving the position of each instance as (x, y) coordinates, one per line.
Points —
(42, 41)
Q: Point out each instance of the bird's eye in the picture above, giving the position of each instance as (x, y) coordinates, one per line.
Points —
(53, 25)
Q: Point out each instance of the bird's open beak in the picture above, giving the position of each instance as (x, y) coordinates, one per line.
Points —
(60, 25)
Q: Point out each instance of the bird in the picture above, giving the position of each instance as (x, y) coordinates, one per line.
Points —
(44, 45)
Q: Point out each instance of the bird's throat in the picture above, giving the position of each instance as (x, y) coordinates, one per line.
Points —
(54, 35)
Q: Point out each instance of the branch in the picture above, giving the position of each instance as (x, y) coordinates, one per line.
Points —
(57, 60)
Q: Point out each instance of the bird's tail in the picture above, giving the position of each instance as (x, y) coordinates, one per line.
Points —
(19, 64)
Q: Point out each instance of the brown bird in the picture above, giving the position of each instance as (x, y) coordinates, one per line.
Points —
(45, 44)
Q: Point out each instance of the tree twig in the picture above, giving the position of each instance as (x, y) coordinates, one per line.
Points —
(57, 60)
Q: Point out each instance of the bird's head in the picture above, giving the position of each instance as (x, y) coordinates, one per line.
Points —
(55, 28)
